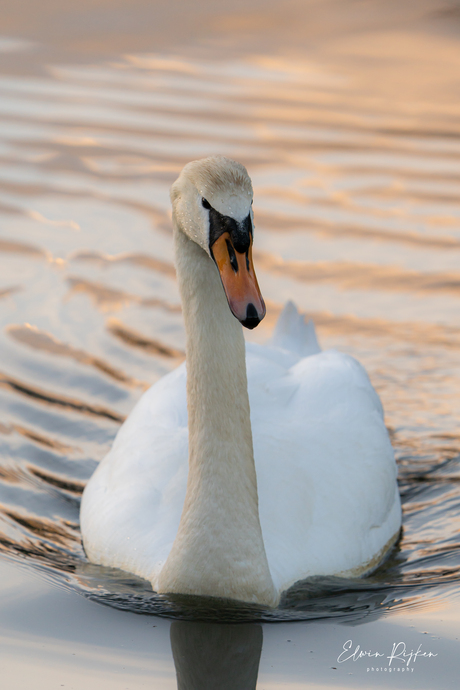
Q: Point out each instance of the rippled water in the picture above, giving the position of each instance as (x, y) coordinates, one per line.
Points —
(357, 216)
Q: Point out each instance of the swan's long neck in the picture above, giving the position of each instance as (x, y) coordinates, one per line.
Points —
(218, 550)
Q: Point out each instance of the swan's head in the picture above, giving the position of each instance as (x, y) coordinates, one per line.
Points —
(212, 205)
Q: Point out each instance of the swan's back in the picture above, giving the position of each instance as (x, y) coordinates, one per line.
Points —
(325, 466)
(328, 500)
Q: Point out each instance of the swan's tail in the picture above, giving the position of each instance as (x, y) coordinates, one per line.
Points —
(293, 334)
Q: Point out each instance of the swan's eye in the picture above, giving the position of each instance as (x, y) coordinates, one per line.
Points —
(232, 256)
(205, 203)
(248, 265)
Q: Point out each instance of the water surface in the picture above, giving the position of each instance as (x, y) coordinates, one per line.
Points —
(346, 116)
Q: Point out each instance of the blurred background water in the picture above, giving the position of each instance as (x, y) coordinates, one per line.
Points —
(346, 114)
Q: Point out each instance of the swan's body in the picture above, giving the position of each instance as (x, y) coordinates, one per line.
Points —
(196, 504)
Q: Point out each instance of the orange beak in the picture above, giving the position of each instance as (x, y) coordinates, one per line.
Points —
(239, 281)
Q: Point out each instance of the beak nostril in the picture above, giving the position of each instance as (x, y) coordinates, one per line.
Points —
(232, 256)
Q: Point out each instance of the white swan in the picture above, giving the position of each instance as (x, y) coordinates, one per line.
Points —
(181, 505)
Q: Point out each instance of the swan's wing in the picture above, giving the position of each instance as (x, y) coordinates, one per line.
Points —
(292, 333)
(325, 468)
(132, 504)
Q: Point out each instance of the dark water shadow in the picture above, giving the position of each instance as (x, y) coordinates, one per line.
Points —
(216, 657)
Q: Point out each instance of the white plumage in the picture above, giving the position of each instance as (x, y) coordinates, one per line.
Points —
(326, 477)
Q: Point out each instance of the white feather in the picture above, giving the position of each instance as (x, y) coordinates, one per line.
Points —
(326, 477)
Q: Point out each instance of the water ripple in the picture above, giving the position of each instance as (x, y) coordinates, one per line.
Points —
(357, 219)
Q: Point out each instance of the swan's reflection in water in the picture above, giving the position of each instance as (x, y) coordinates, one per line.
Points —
(211, 656)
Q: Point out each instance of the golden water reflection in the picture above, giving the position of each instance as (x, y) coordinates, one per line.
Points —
(347, 117)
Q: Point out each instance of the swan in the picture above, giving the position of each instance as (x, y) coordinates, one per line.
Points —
(252, 467)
